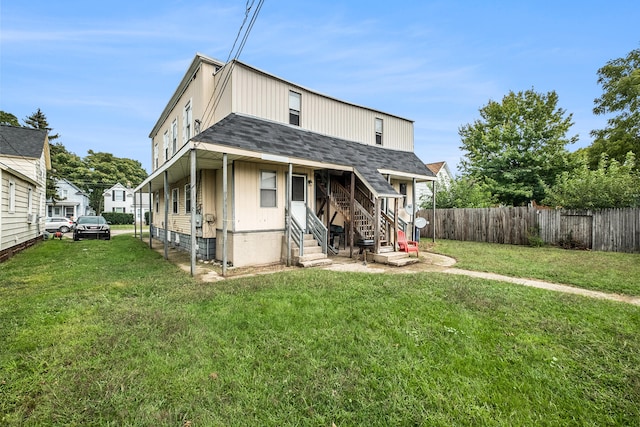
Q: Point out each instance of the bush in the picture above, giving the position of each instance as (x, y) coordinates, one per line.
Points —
(117, 218)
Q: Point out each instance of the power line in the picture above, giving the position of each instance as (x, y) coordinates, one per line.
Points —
(217, 98)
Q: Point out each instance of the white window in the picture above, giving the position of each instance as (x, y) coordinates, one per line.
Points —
(155, 155)
(121, 210)
(378, 131)
(186, 122)
(174, 136)
(294, 108)
(12, 196)
(118, 195)
(174, 200)
(187, 198)
(268, 189)
(165, 138)
(64, 194)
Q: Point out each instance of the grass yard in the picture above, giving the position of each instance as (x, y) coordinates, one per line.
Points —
(600, 271)
(108, 333)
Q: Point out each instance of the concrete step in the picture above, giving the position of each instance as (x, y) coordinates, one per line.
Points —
(307, 250)
(309, 257)
(385, 257)
(401, 262)
(315, 263)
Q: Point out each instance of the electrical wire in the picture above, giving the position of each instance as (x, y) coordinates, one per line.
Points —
(216, 96)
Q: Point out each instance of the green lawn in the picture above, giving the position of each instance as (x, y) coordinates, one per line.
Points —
(108, 333)
(601, 271)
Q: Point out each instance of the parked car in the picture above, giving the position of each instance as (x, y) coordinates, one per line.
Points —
(92, 226)
(58, 223)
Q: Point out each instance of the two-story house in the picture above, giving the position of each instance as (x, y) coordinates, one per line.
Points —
(119, 198)
(247, 167)
(70, 201)
(24, 161)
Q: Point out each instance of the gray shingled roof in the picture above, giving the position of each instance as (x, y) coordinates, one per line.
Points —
(22, 142)
(263, 136)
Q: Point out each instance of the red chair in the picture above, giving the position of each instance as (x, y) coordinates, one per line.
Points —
(407, 245)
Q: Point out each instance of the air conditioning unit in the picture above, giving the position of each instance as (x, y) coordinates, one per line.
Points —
(30, 218)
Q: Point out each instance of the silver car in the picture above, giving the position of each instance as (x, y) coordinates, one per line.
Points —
(58, 223)
(93, 227)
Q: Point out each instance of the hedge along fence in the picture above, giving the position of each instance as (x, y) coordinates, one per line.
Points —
(613, 230)
(116, 218)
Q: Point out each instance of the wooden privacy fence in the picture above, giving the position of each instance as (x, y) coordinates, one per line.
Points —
(613, 230)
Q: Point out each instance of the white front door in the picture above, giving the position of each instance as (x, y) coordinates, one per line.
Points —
(299, 199)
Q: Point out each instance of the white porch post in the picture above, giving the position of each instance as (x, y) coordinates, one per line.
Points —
(135, 223)
(150, 222)
(224, 214)
(434, 211)
(166, 215)
(288, 215)
(192, 190)
(415, 209)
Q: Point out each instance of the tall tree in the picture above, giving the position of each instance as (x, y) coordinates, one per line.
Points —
(620, 81)
(517, 148)
(38, 120)
(8, 119)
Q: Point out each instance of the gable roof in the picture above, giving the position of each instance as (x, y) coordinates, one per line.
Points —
(268, 137)
(435, 167)
(22, 142)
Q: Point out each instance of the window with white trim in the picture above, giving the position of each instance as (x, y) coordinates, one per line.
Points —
(378, 131)
(174, 200)
(155, 155)
(294, 108)
(268, 189)
(165, 138)
(118, 195)
(187, 198)
(174, 136)
(121, 210)
(186, 122)
(12, 196)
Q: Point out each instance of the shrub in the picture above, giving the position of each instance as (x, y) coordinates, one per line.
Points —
(117, 218)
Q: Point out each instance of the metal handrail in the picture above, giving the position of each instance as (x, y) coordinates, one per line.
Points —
(317, 229)
(297, 234)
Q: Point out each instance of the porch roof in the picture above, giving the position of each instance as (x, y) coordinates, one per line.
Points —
(369, 162)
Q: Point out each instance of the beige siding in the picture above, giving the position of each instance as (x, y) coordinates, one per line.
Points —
(261, 95)
(13, 225)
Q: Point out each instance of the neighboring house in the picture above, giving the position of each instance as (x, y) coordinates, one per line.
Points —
(24, 161)
(121, 199)
(71, 201)
(248, 166)
(444, 178)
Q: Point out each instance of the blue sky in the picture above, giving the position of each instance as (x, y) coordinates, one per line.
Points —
(103, 71)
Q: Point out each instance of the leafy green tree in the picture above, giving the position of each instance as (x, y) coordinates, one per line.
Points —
(461, 192)
(517, 148)
(611, 185)
(105, 170)
(620, 81)
(8, 119)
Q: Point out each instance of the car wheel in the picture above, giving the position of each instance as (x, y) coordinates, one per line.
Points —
(76, 237)
(64, 229)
